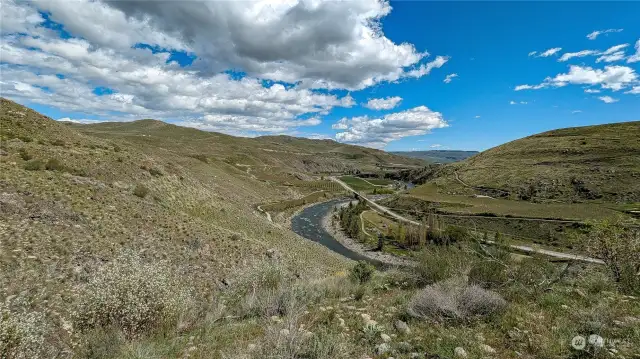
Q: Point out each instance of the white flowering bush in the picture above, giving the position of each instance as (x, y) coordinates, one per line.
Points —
(132, 295)
(22, 332)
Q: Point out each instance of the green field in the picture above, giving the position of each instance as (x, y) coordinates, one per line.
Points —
(467, 204)
(356, 183)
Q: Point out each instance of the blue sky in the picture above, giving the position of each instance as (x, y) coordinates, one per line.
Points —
(315, 81)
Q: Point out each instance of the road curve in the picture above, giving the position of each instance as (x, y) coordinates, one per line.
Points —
(526, 249)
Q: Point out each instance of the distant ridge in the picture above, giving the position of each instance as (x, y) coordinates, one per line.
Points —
(437, 156)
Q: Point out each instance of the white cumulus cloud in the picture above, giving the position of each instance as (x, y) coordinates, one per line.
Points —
(611, 77)
(378, 132)
(291, 55)
(634, 91)
(635, 57)
(387, 103)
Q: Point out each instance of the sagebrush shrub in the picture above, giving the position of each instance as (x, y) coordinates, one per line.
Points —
(132, 295)
(476, 301)
(454, 299)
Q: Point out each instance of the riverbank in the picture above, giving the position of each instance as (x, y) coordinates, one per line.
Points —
(338, 234)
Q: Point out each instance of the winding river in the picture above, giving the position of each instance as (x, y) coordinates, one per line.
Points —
(308, 224)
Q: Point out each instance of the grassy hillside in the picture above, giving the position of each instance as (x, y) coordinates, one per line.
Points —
(270, 157)
(141, 240)
(71, 201)
(437, 156)
(573, 164)
(529, 188)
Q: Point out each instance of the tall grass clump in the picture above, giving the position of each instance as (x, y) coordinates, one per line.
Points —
(292, 342)
(132, 295)
(23, 332)
(263, 290)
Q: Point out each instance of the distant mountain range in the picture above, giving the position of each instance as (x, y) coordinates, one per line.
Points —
(437, 156)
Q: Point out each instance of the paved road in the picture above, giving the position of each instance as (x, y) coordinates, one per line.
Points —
(521, 248)
(373, 205)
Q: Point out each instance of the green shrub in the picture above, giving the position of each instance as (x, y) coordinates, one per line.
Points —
(132, 295)
(455, 234)
(439, 263)
(140, 191)
(530, 276)
(362, 272)
(54, 165)
(619, 247)
(25, 155)
(359, 292)
(155, 172)
(488, 274)
(24, 138)
(34, 165)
